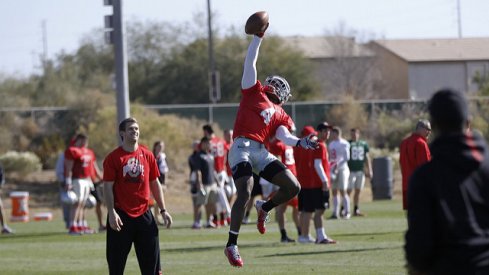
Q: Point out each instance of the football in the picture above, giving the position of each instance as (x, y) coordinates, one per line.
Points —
(257, 23)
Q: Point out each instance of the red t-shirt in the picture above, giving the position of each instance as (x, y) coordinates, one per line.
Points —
(218, 150)
(258, 118)
(83, 161)
(131, 173)
(322, 154)
(413, 152)
(285, 152)
(302, 165)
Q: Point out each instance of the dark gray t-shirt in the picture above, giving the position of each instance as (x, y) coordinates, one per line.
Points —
(204, 162)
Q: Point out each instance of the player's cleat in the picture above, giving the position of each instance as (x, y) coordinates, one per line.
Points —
(196, 225)
(263, 217)
(333, 217)
(347, 216)
(357, 213)
(102, 228)
(7, 230)
(210, 224)
(228, 220)
(307, 239)
(246, 220)
(75, 230)
(87, 230)
(326, 241)
(287, 240)
(233, 256)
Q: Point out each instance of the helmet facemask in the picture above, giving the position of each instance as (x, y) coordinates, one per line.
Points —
(281, 88)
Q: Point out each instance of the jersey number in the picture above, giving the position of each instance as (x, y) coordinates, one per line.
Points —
(357, 153)
(267, 115)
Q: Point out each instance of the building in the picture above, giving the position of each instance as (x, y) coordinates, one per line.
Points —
(416, 68)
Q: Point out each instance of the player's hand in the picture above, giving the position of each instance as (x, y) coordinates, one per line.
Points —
(167, 219)
(308, 142)
(115, 221)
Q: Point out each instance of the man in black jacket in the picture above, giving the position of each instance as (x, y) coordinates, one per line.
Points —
(448, 197)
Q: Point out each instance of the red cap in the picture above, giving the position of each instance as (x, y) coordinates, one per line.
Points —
(307, 130)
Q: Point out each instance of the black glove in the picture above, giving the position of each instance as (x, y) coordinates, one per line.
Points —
(326, 199)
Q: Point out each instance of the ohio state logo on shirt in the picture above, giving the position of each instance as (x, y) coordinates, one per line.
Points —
(133, 168)
(267, 115)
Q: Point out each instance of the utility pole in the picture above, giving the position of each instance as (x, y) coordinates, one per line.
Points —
(459, 20)
(44, 43)
(115, 31)
(214, 79)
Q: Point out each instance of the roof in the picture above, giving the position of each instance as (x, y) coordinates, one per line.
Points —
(418, 50)
(316, 47)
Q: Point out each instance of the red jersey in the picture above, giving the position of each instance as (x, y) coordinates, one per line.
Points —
(285, 152)
(83, 161)
(320, 153)
(131, 173)
(258, 118)
(413, 152)
(218, 150)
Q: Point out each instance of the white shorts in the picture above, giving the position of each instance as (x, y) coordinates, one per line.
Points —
(221, 178)
(81, 187)
(267, 188)
(357, 180)
(247, 150)
(341, 180)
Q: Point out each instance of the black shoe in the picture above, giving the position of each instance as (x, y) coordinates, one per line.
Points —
(287, 240)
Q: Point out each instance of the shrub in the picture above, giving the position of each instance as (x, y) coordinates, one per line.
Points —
(21, 163)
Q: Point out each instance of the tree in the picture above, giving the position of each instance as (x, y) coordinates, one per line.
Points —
(351, 70)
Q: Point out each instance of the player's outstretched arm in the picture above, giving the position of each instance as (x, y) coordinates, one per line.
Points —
(249, 68)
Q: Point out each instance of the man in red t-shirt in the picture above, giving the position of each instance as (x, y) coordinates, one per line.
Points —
(130, 174)
(413, 152)
(315, 182)
(218, 150)
(260, 116)
(79, 165)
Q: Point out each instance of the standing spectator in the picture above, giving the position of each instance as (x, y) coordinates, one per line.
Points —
(196, 191)
(314, 194)
(448, 197)
(206, 180)
(160, 156)
(97, 192)
(230, 187)
(259, 117)
(285, 154)
(66, 202)
(359, 158)
(339, 154)
(256, 191)
(130, 175)
(218, 150)
(79, 168)
(5, 228)
(413, 152)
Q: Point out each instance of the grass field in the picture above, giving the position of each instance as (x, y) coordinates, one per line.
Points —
(368, 245)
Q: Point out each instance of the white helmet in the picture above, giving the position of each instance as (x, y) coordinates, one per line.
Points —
(91, 202)
(69, 197)
(281, 87)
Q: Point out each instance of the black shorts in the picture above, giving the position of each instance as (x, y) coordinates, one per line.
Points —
(97, 192)
(256, 186)
(162, 179)
(311, 200)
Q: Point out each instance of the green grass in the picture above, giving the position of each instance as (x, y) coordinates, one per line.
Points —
(369, 245)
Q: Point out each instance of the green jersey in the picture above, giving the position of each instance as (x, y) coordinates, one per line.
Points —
(358, 150)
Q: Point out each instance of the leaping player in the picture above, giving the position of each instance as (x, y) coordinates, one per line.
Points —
(260, 116)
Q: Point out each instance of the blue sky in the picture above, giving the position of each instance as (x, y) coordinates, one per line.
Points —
(68, 20)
